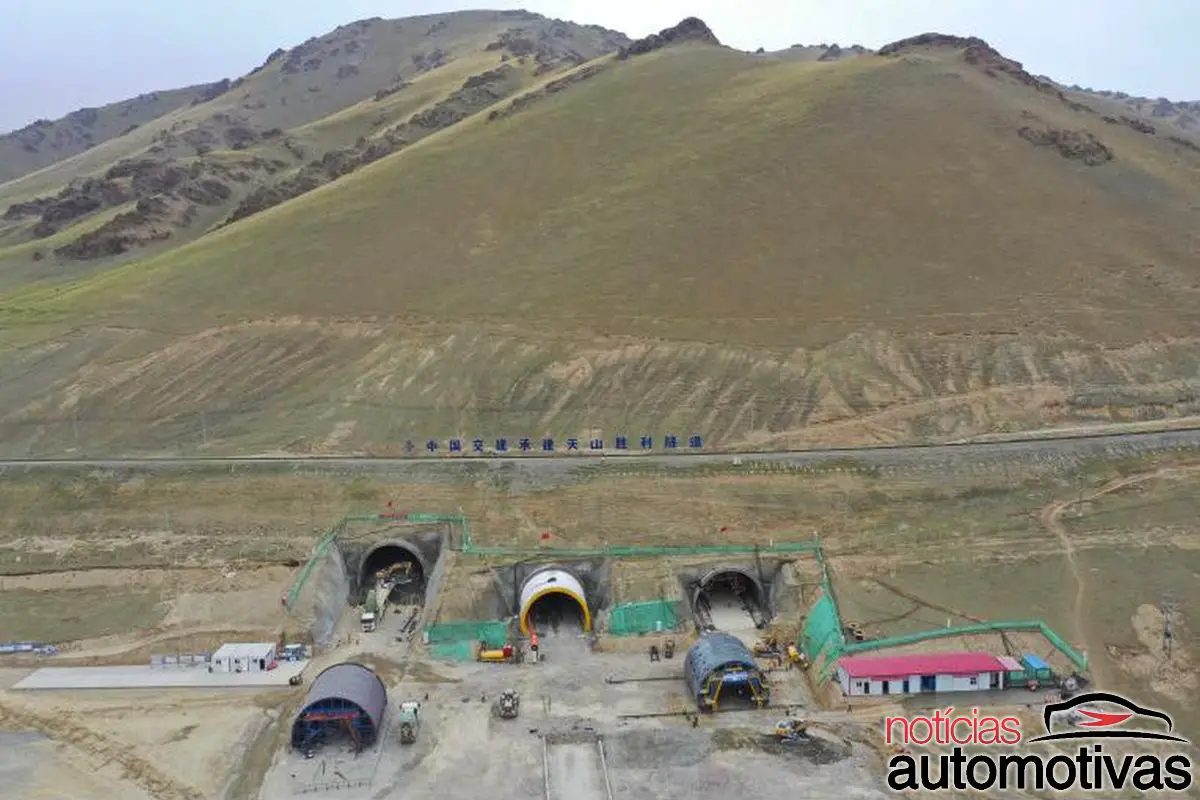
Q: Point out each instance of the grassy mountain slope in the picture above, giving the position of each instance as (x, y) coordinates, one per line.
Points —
(919, 245)
(306, 116)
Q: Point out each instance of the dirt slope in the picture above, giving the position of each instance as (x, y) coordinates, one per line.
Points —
(923, 243)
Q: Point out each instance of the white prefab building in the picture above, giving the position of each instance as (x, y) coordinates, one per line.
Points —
(864, 676)
(244, 657)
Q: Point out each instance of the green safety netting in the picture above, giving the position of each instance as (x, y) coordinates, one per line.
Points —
(821, 638)
(494, 632)
(631, 619)
(453, 651)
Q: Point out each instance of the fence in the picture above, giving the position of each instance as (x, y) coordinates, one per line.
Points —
(632, 619)
(821, 638)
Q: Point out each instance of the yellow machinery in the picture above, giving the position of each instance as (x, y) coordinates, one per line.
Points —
(790, 729)
(757, 689)
(795, 656)
(498, 655)
(766, 647)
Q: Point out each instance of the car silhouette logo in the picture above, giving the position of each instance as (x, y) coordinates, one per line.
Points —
(1103, 724)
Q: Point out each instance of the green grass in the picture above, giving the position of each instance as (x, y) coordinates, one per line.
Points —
(60, 616)
(764, 252)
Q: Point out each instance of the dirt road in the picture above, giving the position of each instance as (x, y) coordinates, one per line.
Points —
(1051, 518)
(1039, 449)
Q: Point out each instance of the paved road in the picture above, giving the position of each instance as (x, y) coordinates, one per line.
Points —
(574, 771)
(1110, 444)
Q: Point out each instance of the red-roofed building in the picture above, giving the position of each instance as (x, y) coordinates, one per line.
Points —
(862, 676)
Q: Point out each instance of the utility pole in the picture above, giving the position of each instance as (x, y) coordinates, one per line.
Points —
(1169, 607)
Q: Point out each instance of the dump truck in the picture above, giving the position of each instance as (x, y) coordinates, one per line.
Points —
(372, 612)
(507, 705)
(409, 717)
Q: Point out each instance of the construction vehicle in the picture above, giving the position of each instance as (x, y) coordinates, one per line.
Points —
(409, 717)
(508, 654)
(396, 574)
(766, 647)
(372, 612)
(796, 657)
(790, 730)
(508, 705)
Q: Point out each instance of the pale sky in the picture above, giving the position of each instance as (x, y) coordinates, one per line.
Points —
(59, 55)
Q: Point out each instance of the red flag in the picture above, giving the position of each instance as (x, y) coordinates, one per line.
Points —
(724, 529)
(545, 536)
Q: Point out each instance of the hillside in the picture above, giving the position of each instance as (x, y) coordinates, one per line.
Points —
(45, 142)
(918, 244)
(304, 117)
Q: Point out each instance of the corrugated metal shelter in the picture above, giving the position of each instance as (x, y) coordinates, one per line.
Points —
(718, 663)
(346, 698)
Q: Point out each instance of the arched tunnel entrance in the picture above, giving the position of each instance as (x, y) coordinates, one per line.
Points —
(729, 599)
(553, 602)
(396, 567)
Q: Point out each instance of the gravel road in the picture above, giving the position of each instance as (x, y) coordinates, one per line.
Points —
(537, 470)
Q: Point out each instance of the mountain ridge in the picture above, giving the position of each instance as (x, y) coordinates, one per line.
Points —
(926, 244)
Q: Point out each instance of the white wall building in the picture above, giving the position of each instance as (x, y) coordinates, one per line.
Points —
(244, 657)
(864, 676)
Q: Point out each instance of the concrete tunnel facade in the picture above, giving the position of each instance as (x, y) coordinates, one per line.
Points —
(552, 580)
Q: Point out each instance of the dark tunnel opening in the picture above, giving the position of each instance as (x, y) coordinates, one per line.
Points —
(729, 600)
(556, 612)
(397, 568)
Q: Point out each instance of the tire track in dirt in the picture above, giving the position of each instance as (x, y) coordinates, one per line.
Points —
(99, 750)
(1051, 520)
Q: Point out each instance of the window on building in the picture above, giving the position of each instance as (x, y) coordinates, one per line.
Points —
(974, 681)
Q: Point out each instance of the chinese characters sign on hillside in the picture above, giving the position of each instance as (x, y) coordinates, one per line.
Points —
(528, 445)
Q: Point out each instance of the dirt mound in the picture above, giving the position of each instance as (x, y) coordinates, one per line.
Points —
(691, 29)
(1078, 145)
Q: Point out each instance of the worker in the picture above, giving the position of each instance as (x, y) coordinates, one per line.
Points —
(533, 644)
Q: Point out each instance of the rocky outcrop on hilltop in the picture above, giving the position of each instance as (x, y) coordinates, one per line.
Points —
(691, 29)
(982, 55)
(554, 47)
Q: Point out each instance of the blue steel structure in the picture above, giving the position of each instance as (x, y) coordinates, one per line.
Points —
(722, 664)
(345, 699)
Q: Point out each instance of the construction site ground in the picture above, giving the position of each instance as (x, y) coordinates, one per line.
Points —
(115, 567)
(145, 677)
(463, 751)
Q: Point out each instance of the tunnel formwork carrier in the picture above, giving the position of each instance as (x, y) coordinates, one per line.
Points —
(721, 666)
(345, 699)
